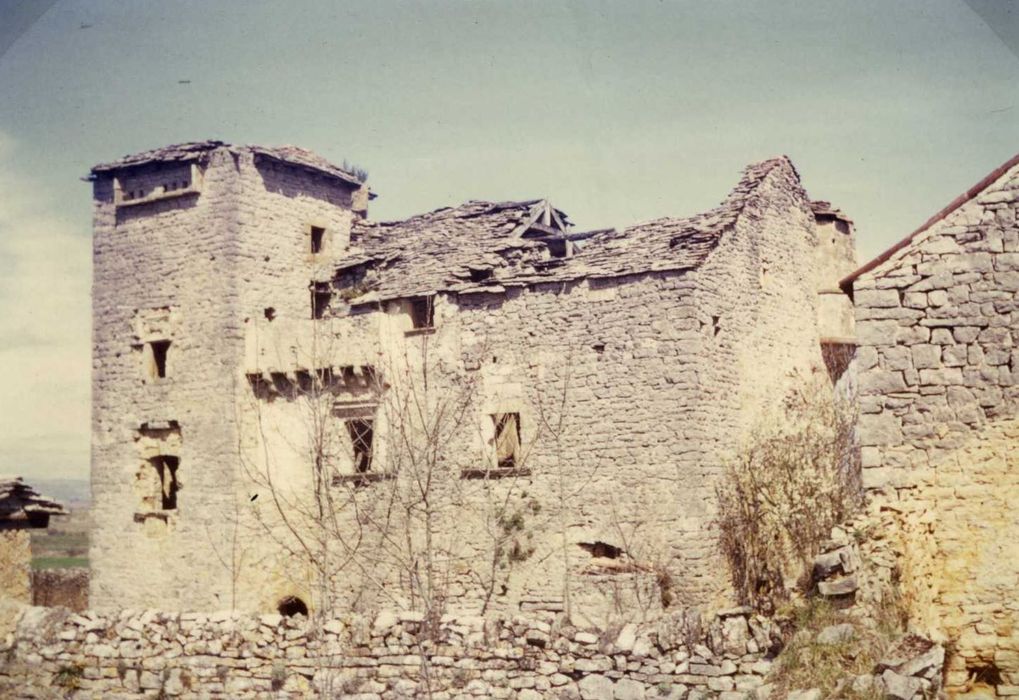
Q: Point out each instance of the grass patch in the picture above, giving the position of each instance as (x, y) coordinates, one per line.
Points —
(59, 562)
(805, 664)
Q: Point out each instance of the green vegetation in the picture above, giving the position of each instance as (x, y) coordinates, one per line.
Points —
(64, 543)
(805, 663)
(59, 562)
(69, 676)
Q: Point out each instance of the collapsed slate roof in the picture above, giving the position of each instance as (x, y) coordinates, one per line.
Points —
(488, 246)
(23, 506)
(197, 150)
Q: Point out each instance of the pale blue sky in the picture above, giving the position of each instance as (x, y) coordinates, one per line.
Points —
(618, 112)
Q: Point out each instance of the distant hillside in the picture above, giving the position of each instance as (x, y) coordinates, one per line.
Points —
(71, 492)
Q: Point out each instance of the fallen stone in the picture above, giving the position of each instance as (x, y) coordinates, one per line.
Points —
(865, 684)
(927, 665)
(836, 634)
(899, 687)
(842, 586)
(811, 694)
(826, 564)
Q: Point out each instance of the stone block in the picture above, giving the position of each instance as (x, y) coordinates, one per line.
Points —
(596, 687)
(926, 356)
(878, 298)
(898, 687)
(627, 689)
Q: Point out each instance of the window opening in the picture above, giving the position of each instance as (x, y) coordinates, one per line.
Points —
(317, 239)
(507, 439)
(321, 295)
(422, 312)
(558, 248)
(362, 434)
(166, 468)
(158, 350)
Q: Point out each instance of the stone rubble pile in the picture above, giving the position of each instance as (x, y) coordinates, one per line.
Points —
(854, 569)
(54, 653)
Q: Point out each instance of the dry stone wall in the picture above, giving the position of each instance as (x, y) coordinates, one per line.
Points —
(56, 654)
(939, 386)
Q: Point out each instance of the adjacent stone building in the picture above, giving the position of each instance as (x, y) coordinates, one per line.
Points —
(21, 509)
(474, 408)
(937, 319)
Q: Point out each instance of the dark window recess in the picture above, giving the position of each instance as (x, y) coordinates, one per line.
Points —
(292, 605)
(159, 350)
(362, 434)
(422, 312)
(601, 549)
(321, 295)
(317, 239)
(479, 274)
(166, 468)
(507, 439)
(558, 248)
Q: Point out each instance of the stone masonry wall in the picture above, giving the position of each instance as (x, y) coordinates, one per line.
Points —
(194, 268)
(56, 654)
(15, 564)
(649, 380)
(939, 387)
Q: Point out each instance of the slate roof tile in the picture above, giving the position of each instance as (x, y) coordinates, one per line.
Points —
(439, 250)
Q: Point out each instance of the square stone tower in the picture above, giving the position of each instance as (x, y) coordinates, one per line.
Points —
(190, 243)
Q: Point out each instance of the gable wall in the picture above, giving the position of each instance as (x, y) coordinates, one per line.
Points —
(939, 387)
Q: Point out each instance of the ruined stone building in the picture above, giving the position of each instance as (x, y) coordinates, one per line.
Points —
(22, 509)
(296, 406)
(937, 320)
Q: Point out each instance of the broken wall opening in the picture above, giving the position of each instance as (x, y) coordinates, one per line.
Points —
(507, 439)
(157, 481)
(321, 295)
(292, 605)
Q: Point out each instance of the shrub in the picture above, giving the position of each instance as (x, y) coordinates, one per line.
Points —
(69, 676)
(792, 480)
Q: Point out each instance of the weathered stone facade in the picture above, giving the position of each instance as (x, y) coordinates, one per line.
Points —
(579, 391)
(937, 321)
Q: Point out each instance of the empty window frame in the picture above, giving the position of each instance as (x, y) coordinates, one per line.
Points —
(317, 238)
(507, 439)
(362, 434)
(559, 247)
(166, 469)
(321, 296)
(156, 352)
(422, 312)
